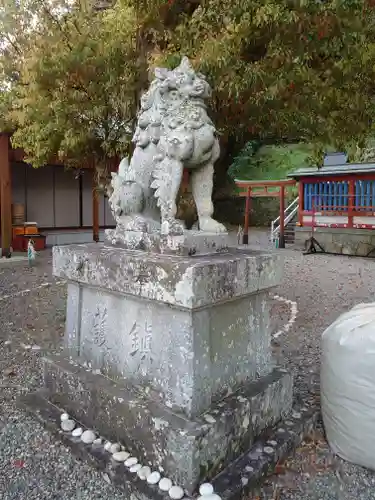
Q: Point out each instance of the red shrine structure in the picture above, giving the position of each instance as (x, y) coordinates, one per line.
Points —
(336, 206)
(64, 205)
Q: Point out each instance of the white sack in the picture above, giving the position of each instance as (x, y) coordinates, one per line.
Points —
(348, 385)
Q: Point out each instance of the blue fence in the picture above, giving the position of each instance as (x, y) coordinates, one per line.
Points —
(334, 196)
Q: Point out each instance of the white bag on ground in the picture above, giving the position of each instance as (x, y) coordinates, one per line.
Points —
(348, 385)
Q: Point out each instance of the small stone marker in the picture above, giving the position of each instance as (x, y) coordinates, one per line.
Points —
(154, 477)
(176, 493)
(144, 473)
(114, 448)
(135, 468)
(129, 462)
(165, 484)
(88, 437)
(77, 432)
(206, 489)
(68, 425)
(107, 445)
(121, 456)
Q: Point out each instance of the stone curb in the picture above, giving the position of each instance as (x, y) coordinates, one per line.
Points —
(235, 482)
(246, 474)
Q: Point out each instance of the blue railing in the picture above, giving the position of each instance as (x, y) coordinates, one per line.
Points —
(364, 198)
(333, 196)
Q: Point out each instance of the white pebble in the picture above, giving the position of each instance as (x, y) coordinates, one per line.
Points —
(98, 441)
(107, 445)
(206, 489)
(154, 477)
(64, 416)
(77, 432)
(121, 456)
(144, 472)
(88, 437)
(209, 418)
(129, 462)
(35, 347)
(68, 425)
(212, 496)
(135, 468)
(114, 448)
(165, 484)
(176, 493)
(272, 443)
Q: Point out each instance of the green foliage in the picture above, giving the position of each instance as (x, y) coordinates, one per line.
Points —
(78, 83)
(271, 162)
(281, 70)
(244, 162)
(285, 70)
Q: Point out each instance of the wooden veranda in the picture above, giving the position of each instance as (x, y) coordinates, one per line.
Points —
(88, 201)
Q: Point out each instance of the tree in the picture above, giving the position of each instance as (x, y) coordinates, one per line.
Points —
(281, 70)
(286, 70)
(74, 94)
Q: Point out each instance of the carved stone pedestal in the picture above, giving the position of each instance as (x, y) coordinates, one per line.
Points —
(170, 355)
(187, 244)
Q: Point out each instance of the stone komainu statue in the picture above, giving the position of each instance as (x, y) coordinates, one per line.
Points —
(173, 132)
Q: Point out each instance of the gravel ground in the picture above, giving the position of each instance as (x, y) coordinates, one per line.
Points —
(33, 465)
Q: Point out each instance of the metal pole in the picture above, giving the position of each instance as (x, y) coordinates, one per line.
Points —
(282, 210)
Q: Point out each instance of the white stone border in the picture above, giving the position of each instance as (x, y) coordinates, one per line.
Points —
(144, 472)
(293, 315)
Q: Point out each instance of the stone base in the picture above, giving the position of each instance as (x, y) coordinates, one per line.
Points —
(235, 482)
(188, 451)
(187, 244)
(188, 330)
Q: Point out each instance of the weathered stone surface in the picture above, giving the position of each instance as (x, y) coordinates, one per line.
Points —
(173, 133)
(187, 244)
(235, 482)
(345, 241)
(170, 354)
(186, 359)
(183, 282)
(189, 450)
(187, 356)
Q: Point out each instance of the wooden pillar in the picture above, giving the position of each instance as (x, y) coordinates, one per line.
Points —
(300, 203)
(80, 187)
(5, 196)
(351, 193)
(282, 209)
(245, 237)
(95, 207)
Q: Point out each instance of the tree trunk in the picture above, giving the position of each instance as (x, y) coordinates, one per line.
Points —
(223, 184)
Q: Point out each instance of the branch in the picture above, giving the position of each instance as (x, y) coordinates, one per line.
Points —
(80, 88)
(13, 44)
(57, 22)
